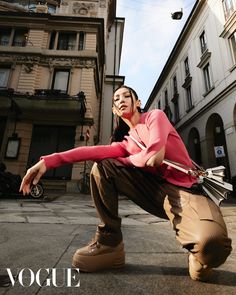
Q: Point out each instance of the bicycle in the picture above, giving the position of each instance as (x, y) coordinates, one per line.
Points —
(37, 190)
(83, 184)
(10, 185)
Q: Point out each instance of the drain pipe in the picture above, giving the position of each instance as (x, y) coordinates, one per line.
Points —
(114, 72)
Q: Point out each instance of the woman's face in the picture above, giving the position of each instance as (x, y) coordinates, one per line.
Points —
(124, 103)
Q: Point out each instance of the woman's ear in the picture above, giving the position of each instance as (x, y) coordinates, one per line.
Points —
(115, 111)
(138, 103)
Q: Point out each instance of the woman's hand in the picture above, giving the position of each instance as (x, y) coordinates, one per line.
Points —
(32, 176)
(156, 159)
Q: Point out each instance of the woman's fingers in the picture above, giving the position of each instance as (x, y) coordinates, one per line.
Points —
(37, 177)
(33, 175)
(26, 182)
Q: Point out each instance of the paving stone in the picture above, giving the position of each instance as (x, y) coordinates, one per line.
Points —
(46, 234)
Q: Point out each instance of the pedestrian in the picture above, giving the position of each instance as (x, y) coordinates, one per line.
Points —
(124, 168)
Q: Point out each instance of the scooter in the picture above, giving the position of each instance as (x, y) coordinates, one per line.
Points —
(10, 185)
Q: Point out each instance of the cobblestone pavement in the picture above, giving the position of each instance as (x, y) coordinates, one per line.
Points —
(45, 233)
(66, 210)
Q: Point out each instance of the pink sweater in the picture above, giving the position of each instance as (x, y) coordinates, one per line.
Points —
(154, 131)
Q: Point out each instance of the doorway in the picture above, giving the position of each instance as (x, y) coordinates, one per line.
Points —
(52, 139)
(194, 146)
(215, 136)
(3, 121)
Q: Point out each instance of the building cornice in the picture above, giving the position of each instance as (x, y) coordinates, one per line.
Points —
(31, 18)
(72, 61)
(118, 79)
(47, 21)
(204, 59)
(187, 81)
(229, 26)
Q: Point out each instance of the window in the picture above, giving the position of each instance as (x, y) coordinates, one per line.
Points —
(20, 36)
(229, 7)
(203, 42)
(166, 98)
(5, 35)
(52, 40)
(4, 76)
(28, 4)
(175, 99)
(13, 37)
(51, 8)
(186, 67)
(233, 45)
(189, 97)
(207, 80)
(175, 87)
(60, 80)
(81, 41)
(176, 110)
(167, 109)
(66, 41)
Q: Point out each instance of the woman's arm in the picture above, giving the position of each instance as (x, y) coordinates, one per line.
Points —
(84, 153)
(159, 129)
(79, 154)
(157, 158)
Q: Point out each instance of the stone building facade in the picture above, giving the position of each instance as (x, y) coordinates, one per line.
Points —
(54, 82)
(197, 86)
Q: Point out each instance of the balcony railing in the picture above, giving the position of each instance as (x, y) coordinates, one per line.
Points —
(50, 93)
(66, 46)
(19, 43)
(21, 102)
(4, 43)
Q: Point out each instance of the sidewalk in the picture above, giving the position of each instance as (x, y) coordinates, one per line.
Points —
(44, 234)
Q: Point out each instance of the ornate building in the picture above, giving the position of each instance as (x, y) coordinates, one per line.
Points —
(55, 85)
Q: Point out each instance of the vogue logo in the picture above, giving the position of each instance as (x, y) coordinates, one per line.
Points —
(45, 277)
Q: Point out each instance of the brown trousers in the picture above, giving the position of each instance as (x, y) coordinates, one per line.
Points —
(197, 221)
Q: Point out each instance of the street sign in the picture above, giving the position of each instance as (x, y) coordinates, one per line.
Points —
(219, 151)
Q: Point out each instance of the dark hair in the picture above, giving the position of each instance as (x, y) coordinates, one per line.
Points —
(131, 90)
(122, 128)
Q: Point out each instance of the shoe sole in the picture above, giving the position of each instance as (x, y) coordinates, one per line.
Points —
(99, 262)
(196, 273)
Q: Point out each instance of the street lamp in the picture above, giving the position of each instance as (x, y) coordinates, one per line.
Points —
(177, 15)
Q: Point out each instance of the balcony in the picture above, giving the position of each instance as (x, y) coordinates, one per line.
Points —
(4, 42)
(53, 104)
(21, 43)
(50, 94)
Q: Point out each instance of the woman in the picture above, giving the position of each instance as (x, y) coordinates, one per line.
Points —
(124, 168)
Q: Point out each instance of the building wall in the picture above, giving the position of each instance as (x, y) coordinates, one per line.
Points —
(209, 108)
(33, 67)
(112, 80)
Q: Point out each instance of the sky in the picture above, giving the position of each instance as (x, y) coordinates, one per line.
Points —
(149, 36)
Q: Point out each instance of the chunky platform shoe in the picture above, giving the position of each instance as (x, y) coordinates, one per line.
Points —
(95, 257)
(197, 271)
